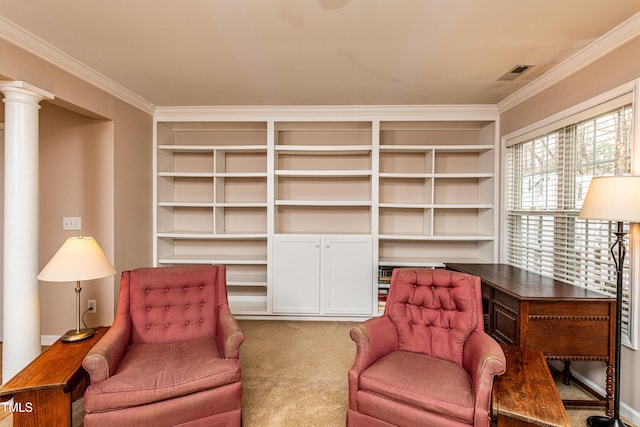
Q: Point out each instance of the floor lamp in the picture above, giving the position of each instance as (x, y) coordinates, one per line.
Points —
(614, 198)
(79, 258)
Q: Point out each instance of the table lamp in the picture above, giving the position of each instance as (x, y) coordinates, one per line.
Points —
(614, 198)
(79, 258)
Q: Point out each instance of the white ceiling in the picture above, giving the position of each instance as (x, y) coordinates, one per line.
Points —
(315, 52)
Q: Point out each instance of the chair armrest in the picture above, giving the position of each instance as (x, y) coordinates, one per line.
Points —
(374, 338)
(483, 358)
(229, 334)
(103, 358)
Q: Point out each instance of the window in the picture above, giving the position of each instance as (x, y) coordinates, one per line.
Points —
(547, 180)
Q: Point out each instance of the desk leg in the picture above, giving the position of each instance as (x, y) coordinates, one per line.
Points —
(609, 390)
(566, 373)
(48, 407)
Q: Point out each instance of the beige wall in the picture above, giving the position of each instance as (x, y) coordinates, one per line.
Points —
(619, 67)
(95, 162)
(615, 69)
(76, 179)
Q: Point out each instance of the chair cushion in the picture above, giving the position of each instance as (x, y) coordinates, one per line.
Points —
(154, 372)
(172, 304)
(452, 397)
(434, 311)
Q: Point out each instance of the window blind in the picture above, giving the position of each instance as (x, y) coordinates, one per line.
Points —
(547, 180)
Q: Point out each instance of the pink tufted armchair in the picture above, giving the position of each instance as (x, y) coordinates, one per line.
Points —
(427, 360)
(172, 354)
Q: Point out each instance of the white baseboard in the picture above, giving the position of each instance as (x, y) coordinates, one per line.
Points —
(626, 411)
(48, 339)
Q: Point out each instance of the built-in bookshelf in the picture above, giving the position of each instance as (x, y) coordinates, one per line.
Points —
(416, 193)
(211, 186)
(323, 177)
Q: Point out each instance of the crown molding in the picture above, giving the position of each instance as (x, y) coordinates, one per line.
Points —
(615, 38)
(602, 46)
(25, 40)
(329, 112)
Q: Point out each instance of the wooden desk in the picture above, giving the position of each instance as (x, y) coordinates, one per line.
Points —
(563, 321)
(526, 395)
(45, 389)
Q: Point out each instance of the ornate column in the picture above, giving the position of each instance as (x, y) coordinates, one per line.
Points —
(21, 289)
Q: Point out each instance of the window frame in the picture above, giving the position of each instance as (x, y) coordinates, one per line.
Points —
(616, 97)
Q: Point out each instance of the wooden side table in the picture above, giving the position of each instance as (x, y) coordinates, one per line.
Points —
(45, 389)
(526, 395)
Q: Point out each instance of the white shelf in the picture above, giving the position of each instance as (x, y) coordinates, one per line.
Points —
(322, 149)
(187, 204)
(464, 175)
(247, 305)
(441, 148)
(187, 174)
(244, 148)
(406, 205)
(207, 259)
(437, 237)
(424, 192)
(463, 206)
(321, 173)
(405, 175)
(336, 203)
(240, 175)
(410, 262)
(213, 204)
(211, 236)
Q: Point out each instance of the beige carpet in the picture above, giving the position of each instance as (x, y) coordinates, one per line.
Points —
(295, 375)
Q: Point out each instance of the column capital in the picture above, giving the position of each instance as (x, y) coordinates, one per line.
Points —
(25, 89)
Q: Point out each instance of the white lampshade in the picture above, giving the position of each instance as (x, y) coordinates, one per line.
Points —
(613, 198)
(79, 258)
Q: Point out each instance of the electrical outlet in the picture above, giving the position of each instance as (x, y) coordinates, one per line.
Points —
(91, 306)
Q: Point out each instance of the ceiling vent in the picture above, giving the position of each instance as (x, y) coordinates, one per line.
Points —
(515, 72)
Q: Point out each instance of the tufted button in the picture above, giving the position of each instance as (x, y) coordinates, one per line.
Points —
(186, 306)
(187, 323)
(167, 307)
(201, 320)
(148, 326)
(168, 325)
(201, 303)
(201, 286)
(148, 308)
(185, 289)
(147, 290)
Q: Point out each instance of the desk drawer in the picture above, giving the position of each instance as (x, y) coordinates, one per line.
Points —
(504, 319)
(569, 331)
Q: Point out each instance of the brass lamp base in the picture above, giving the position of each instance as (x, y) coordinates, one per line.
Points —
(75, 335)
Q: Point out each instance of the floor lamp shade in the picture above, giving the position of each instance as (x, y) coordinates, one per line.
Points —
(79, 258)
(614, 198)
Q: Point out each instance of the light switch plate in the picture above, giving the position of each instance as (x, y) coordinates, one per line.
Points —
(72, 223)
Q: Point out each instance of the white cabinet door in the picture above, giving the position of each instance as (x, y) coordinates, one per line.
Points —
(334, 269)
(348, 274)
(296, 280)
